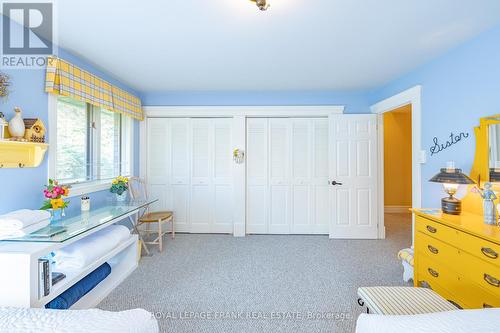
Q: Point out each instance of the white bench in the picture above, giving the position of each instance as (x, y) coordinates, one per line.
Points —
(402, 300)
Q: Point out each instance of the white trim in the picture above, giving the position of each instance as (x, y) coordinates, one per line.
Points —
(248, 111)
(411, 96)
(89, 187)
(397, 209)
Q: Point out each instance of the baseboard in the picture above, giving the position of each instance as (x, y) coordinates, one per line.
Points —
(397, 209)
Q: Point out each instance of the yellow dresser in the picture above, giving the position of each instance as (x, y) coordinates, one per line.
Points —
(458, 257)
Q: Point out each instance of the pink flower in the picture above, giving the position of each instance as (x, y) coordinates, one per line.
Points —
(48, 195)
(54, 195)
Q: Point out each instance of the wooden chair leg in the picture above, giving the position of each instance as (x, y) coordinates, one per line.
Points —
(173, 227)
(160, 236)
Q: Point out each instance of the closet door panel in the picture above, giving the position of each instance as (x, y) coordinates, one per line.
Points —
(319, 180)
(201, 199)
(222, 176)
(279, 155)
(300, 175)
(257, 176)
(158, 163)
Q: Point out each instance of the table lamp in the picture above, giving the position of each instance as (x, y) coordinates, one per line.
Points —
(451, 178)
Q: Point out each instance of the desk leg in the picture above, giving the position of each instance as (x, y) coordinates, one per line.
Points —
(134, 225)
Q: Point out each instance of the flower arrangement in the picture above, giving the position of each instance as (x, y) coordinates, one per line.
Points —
(54, 194)
(119, 185)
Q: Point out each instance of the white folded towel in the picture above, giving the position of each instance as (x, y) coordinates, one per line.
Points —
(22, 218)
(87, 250)
(16, 233)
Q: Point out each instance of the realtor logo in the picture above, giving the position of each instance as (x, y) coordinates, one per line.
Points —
(27, 33)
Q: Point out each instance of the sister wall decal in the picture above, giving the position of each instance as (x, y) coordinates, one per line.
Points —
(453, 139)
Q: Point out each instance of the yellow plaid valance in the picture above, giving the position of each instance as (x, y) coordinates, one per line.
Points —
(63, 78)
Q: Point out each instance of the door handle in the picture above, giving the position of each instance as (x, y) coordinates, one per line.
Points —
(334, 182)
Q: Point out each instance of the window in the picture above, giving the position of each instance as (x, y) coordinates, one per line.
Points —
(92, 144)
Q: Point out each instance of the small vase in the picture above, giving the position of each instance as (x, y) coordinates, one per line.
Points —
(16, 125)
(121, 197)
(56, 214)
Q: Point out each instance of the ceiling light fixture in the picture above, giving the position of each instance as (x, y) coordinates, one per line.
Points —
(262, 4)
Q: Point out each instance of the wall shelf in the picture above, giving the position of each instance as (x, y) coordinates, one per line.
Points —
(15, 154)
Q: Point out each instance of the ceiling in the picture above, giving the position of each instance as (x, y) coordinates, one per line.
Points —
(229, 45)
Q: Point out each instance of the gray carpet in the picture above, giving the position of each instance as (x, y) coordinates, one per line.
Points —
(262, 283)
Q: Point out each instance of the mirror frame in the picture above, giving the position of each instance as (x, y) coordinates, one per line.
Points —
(480, 169)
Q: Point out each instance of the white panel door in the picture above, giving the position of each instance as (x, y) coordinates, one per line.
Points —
(158, 166)
(320, 205)
(279, 179)
(353, 172)
(222, 176)
(301, 153)
(179, 179)
(201, 203)
(257, 176)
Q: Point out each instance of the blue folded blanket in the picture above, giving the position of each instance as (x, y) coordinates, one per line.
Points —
(80, 289)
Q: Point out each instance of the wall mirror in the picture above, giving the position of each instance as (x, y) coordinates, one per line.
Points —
(487, 159)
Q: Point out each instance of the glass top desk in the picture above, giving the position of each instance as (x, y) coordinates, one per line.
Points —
(86, 221)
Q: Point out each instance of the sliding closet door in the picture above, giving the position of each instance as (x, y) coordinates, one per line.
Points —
(189, 169)
(179, 178)
(279, 179)
(287, 176)
(211, 176)
(301, 217)
(158, 166)
(201, 182)
(257, 176)
(222, 219)
(320, 205)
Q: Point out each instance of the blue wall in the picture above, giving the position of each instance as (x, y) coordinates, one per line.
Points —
(458, 88)
(22, 188)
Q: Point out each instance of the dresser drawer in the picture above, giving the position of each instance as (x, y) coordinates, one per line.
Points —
(434, 272)
(475, 297)
(481, 272)
(480, 248)
(437, 250)
(437, 230)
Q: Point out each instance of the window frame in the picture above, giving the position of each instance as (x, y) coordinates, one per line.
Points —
(126, 149)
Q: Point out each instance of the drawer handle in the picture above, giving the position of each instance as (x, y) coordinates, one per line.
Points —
(487, 306)
(431, 229)
(491, 280)
(489, 253)
(432, 249)
(433, 272)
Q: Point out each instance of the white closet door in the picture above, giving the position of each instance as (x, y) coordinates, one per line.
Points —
(201, 202)
(158, 163)
(279, 186)
(257, 176)
(301, 149)
(222, 176)
(179, 180)
(320, 205)
(353, 156)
